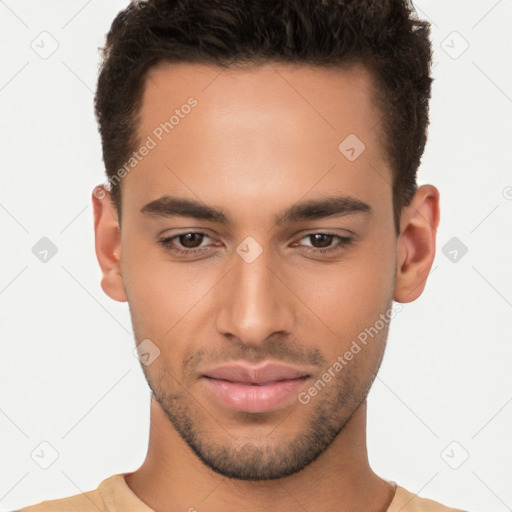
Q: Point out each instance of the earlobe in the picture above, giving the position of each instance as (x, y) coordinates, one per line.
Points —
(416, 245)
(107, 236)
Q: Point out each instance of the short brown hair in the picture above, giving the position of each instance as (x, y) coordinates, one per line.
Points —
(384, 35)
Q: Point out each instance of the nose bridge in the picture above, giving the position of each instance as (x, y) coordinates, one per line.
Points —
(255, 303)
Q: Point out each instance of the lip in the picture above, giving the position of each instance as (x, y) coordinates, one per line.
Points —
(255, 389)
(262, 374)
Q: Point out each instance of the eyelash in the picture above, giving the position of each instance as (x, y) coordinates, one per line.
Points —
(166, 243)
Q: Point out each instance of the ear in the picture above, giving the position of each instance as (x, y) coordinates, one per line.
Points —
(416, 245)
(108, 243)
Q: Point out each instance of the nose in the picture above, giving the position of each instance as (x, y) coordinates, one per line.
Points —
(255, 302)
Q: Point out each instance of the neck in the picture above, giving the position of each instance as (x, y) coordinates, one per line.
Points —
(172, 477)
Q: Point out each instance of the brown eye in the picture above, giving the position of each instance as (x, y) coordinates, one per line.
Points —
(186, 244)
(322, 243)
(321, 240)
(190, 240)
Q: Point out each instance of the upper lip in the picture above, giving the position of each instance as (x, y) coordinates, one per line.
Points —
(268, 372)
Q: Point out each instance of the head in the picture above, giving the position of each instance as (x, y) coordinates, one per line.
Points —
(263, 206)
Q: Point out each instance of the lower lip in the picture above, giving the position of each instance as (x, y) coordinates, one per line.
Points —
(253, 398)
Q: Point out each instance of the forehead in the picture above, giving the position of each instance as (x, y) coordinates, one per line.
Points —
(256, 130)
(264, 90)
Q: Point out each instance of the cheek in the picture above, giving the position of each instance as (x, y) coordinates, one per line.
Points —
(164, 297)
(346, 297)
(161, 310)
(153, 294)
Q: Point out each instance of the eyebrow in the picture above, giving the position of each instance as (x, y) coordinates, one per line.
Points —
(334, 206)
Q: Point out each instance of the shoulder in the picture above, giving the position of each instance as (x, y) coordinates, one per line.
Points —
(86, 502)
(111, 495)
(90, 501)
(406, 501)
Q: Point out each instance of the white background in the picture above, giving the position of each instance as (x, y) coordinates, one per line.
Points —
(69, 377)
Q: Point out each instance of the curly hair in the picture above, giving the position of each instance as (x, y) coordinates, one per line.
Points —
(384, 35)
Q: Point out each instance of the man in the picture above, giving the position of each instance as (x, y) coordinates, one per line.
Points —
(261, 219)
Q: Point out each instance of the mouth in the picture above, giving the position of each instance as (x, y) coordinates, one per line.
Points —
(261, 389)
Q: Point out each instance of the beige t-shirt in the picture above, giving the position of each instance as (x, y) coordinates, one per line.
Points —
(114, 495)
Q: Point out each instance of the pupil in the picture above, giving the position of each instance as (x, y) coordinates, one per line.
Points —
(325, 240)
(187, 240)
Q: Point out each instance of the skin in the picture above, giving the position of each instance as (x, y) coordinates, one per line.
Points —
(260, 140)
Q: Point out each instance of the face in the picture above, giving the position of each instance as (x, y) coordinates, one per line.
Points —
(250, 235)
